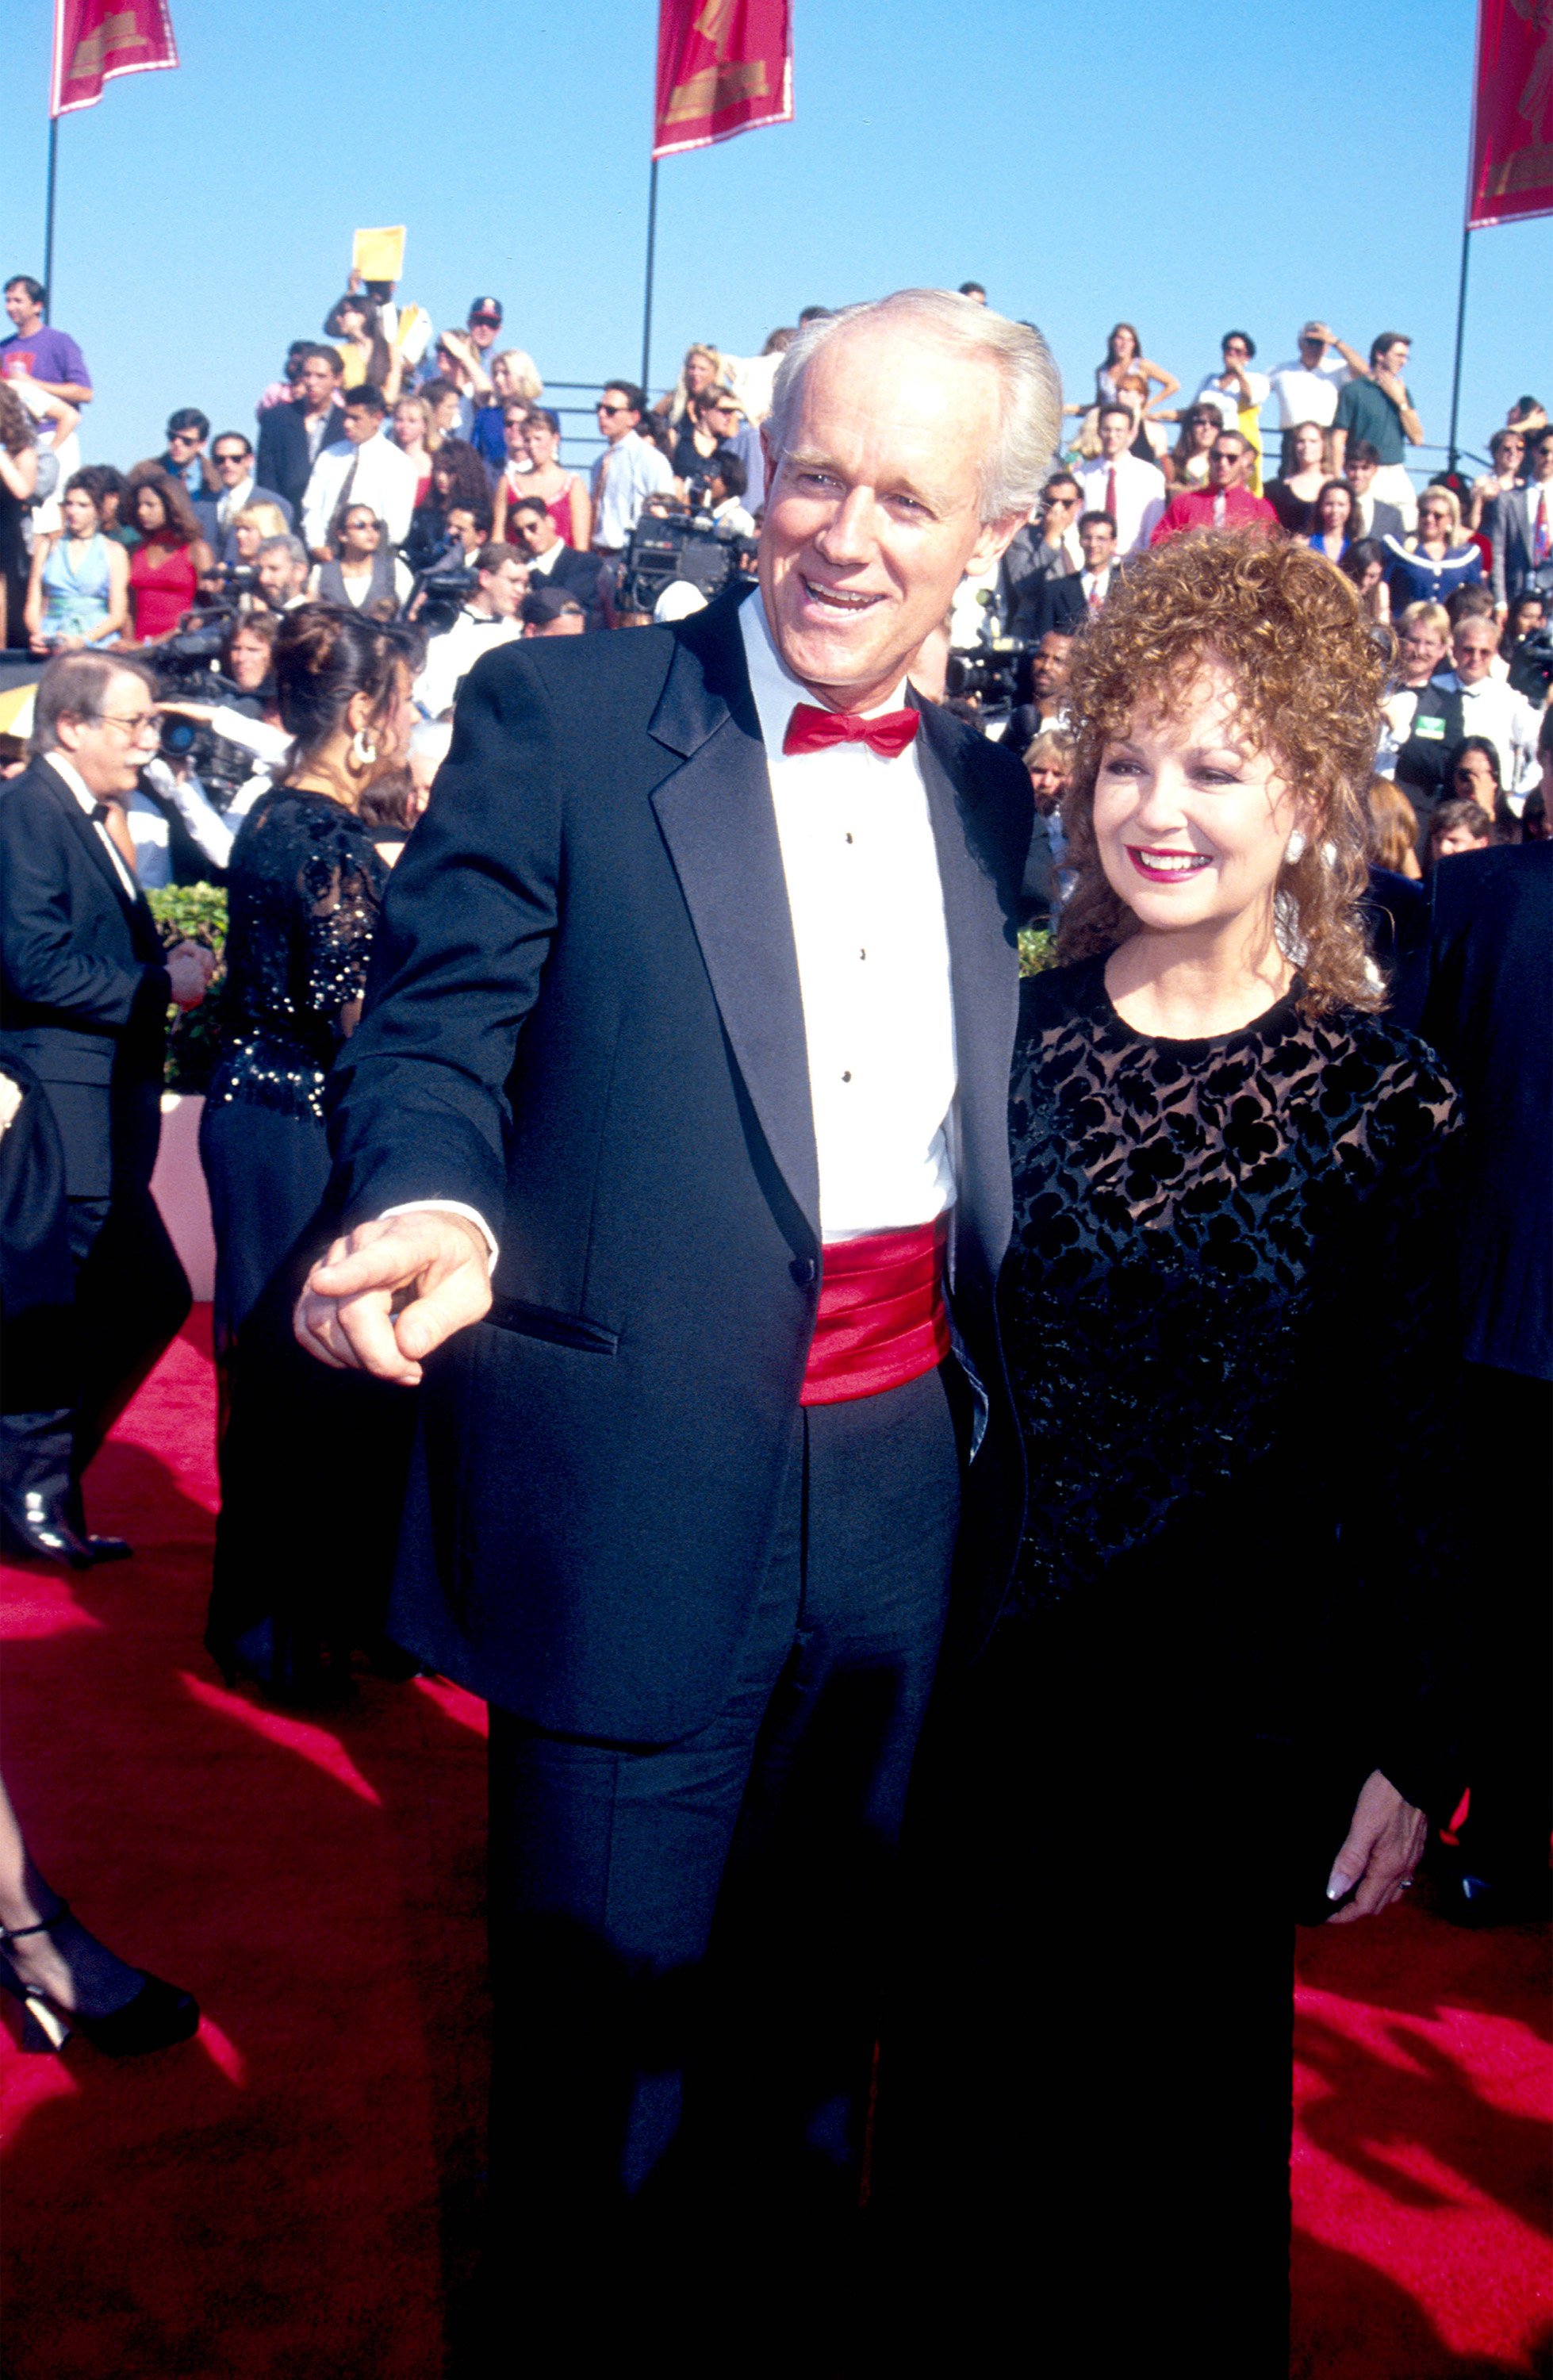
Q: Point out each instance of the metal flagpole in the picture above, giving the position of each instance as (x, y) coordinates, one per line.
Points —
(647, 294)
(48, 219)
(1461, 325)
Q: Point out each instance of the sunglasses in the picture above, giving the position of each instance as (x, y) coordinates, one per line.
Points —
(610, 411)
(183, 437)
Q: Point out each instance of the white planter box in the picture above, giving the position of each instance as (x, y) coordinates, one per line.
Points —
(178, 1187)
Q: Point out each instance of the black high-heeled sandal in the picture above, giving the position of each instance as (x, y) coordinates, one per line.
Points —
(158, 2015)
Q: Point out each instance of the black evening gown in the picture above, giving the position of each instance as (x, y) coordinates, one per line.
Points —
(312, 1461)
(1226, 1315)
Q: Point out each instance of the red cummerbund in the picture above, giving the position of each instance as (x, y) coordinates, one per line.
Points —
(881, 1318)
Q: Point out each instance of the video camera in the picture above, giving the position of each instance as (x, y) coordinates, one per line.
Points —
(995, 670)
(444, 587)
(689, 546)
(1530, 666)
(186, 672)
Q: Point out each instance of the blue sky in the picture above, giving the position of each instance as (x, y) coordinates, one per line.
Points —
(1188, 166)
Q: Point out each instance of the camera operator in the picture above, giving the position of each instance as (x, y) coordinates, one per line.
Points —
(551, 562)
(221, 755)
(486, 618)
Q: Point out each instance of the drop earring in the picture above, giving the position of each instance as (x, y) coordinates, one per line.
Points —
(1295, 849)
(363, 752)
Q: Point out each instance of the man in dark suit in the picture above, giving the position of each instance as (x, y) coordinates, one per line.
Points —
(1377, 517)
(237, 486)
(84, 990)
(1488, 1008)
(692, 1009)
(1523, 529)
(551, 562)
(1059, 606)
(292, 437)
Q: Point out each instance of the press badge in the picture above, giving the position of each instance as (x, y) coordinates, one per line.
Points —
(1430, 729)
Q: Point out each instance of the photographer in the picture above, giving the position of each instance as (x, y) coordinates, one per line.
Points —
(486, 618)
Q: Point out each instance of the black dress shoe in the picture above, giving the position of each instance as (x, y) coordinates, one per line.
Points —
(110, 1548)
(36, 1523)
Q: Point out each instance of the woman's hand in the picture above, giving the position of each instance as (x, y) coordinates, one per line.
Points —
(1382, 1848)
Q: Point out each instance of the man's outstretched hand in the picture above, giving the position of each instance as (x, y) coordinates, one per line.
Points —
(390, 1291)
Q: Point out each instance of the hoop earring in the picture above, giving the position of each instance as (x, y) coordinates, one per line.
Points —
(1295, 849)
(363, 752)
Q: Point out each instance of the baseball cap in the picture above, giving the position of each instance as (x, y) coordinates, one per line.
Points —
(543, 604)
(485, 309)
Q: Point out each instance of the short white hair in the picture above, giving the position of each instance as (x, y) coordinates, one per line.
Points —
(1014, 470)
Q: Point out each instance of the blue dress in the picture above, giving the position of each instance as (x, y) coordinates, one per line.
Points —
(1412, 578)
(77, 594)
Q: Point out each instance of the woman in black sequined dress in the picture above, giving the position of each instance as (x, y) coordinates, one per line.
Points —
(1207, 1705)
(306, 879)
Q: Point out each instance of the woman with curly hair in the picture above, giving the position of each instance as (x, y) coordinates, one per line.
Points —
(458, 481)
(19, 481)
(1202, 1709)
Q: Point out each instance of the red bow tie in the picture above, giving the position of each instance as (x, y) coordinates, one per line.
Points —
(813, 730)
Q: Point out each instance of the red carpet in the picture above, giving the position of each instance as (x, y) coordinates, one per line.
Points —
(275, 2198)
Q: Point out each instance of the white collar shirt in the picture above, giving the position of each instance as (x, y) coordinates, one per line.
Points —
(541, 565)
(69, 775)
(623, 477)
(1096, 584)
(1139, 500)
(378, 474)
(1306, 396)
(1511, 725)
(232, 502)
(454, 654)
(867, 905)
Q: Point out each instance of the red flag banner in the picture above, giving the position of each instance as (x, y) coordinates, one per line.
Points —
(723, 66)
(1513, 113)
(93, 41)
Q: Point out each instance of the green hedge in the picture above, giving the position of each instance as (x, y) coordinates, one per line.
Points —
(1037, 948)
(193, 913)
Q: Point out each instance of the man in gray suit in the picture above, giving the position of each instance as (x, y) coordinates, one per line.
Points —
(233, 459)
(1377, 518)
(1522, 535)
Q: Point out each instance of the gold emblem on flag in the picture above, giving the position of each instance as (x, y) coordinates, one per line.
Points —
(117, 32)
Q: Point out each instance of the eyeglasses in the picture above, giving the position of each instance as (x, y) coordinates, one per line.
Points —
(610, 411)
(1069, 501)
(141, 726)
(227, 456)
(183, 437)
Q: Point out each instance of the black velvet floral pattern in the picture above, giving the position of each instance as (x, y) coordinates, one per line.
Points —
(305, 884)
(1216, 1243)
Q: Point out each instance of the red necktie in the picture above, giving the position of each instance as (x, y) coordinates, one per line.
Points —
(1110, 491)
(813, 730)
(1540, 541)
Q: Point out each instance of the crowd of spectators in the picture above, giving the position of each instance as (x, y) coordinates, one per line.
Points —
(415, 476)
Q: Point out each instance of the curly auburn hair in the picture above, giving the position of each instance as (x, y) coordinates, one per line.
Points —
(1310, 676)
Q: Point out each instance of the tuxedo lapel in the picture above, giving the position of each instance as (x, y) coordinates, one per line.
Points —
(984, 979)
(85, 829)
(716, 816)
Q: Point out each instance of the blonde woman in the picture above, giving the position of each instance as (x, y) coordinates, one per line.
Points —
(701, 369)
(1428, 567)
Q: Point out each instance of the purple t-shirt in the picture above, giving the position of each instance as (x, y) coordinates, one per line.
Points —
(46, 354)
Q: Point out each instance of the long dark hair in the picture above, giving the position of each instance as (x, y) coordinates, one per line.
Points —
(470, 484)
(355, 301)
(183, 522)
(322, 656)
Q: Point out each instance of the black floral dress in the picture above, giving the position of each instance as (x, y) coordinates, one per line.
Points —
(1226, 1318)
(302, 1570)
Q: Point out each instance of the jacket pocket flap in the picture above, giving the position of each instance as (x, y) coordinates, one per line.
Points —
(543, 1322)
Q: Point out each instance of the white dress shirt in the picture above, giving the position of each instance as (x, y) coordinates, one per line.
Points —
(384, 479)
(1140, 497)
(454, 654)
(1511, 725)
(1227, 400)
(1306, 395)
(863, 890)
(67, 771)
(1096, 584)
(623, 477)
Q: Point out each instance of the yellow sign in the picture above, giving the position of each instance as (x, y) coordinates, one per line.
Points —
(378, 255)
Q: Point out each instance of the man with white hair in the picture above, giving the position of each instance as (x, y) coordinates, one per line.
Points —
(671, 1158)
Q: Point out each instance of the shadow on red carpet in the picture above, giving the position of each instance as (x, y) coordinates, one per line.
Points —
(292, 2192)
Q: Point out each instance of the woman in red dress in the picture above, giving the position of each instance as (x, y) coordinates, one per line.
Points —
(171, 559)
(564, 495)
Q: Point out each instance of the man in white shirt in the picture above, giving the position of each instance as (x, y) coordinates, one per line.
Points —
(1306, 390)
(628, 471)
(488, 618)
(364, 467)
(1491, 708)
(1119, 483)
(1096, 535)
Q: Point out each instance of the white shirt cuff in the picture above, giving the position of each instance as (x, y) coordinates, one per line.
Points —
(447, 1207)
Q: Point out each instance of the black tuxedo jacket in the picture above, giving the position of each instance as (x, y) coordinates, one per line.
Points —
(1488, 1009)
(1437, 729)
(83, 986)
(282, 461)
(1057, 603)
(584, 1021)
